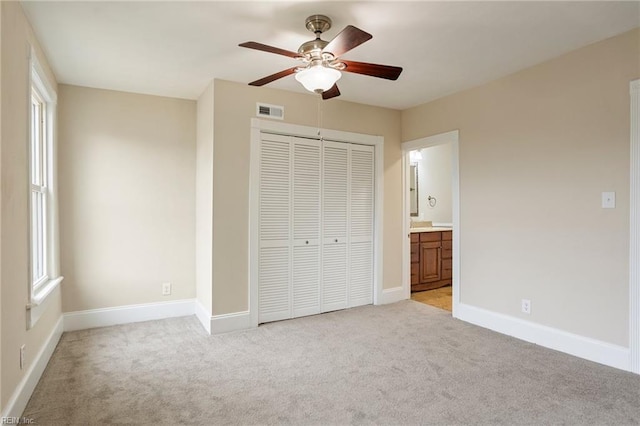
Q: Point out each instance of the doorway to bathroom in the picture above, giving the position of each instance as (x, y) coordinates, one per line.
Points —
(431, 221)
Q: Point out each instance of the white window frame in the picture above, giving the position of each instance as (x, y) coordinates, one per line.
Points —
(40, 288)
(38, 167)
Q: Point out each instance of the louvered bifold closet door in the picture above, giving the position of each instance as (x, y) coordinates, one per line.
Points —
(306, 226)
(335, 213)
(361, 200)
(274, 268)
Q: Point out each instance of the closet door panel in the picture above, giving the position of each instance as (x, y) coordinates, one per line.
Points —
(306, 280)
(335, 191)
(334, 277)
(275, 199)
(306, 226)
(273, 293)
(361, 274)
(335, 214)
(274, 263)
(362, 193)
(361, 226)
(306, 190)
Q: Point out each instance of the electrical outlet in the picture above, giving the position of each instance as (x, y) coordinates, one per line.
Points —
(166, 289)
(608, 200)
(526, 306)
(22, 357)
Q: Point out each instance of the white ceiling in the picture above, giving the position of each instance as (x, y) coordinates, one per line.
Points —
(176, 48)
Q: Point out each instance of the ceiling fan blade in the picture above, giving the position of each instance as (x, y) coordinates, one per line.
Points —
(346, 40)
(331, 93)
(375, 70)
(270, 49)
(273, 77)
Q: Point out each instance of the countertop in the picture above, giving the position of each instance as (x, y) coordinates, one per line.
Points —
(430, 229)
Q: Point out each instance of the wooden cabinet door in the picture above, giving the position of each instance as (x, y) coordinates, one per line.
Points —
(430, 263)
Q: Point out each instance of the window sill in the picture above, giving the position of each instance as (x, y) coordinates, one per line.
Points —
(39, 301)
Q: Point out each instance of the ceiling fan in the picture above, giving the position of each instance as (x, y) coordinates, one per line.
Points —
(321, 60)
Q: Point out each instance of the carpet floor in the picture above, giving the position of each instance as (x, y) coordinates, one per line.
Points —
(400, 364)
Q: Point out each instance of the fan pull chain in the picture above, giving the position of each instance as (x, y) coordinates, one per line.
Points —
(320, 117)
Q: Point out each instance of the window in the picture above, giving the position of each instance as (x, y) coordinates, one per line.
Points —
(39, 162)
(44, 270)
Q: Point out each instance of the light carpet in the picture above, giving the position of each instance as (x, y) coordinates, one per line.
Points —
(400, 364)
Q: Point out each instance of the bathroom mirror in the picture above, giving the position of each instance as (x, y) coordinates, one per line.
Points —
(413, 189)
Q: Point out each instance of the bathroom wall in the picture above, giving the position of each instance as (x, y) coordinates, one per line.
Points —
(434, 180)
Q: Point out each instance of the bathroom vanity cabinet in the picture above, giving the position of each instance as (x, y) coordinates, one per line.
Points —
(431, 259)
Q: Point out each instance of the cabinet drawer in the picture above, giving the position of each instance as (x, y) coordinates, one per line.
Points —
(446, 269)
(447, 249)
(415, 279)
(415, 237)
(415, 253)
(446, 235)
(415, 273)
(429, 236)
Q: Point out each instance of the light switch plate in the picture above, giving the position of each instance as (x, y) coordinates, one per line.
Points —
(608, 200)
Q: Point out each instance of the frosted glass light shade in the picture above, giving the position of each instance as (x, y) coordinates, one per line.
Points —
(415, 156)
(318, 78)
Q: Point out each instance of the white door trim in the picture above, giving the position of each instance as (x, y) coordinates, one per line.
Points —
(452, 138)
(260, 125)
(634, 231)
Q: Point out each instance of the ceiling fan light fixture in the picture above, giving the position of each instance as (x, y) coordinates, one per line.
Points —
(318, 78)
(322, 59)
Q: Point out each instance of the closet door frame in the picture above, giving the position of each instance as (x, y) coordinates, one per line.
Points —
(259, 126)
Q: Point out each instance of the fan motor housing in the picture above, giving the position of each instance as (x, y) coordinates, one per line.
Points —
(313, 46)
(317, 24)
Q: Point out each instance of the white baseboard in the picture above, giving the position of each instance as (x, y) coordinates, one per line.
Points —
(81, 320)
(230, 322)
(18, 401)
(203, 316)
(552, 338)
(391, 295)
(216, 324)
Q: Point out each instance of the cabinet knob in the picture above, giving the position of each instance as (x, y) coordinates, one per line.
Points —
(336, 240)
(306, 242)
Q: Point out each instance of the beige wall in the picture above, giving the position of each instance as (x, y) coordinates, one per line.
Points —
(434, 179)
(16, 38)
(127, 197)
(1, 357)
(204, 199)
(235, 105)
(537, 148)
